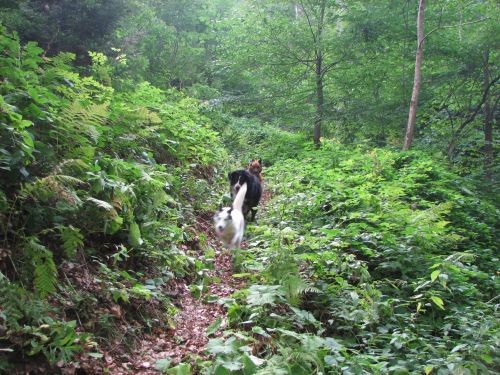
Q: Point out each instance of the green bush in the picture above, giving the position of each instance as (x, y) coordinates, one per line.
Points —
(90, 174)
(368, 261)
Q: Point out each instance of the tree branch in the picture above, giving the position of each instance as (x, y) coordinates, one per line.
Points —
(478, 108)
(451, 26)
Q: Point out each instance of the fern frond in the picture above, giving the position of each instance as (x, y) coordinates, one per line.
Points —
(69, 180)
(295, 286)
(101, 204)
(45, 275)
(95, 114)
(59, 168)
(84, 120)
(142, 114)
(72, 240)
(54, 187)
(309, 289)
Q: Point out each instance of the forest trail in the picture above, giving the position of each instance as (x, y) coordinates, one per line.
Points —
(188, 338)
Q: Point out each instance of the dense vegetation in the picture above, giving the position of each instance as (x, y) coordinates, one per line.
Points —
(92, 179)
(368, 261)
(119, 121)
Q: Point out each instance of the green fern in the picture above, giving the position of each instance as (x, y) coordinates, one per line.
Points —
(45, 269)
(84, 119)
(54, 187)
(295, 286)
(77, 129)
(45, 275)
(72, 240)
(101, 204)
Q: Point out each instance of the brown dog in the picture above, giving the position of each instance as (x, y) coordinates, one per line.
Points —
(255, 168)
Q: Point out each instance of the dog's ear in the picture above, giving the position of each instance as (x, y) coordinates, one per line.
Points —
(260, 161)
(230, 210)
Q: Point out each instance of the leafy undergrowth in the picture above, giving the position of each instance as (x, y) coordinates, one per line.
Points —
(364, 261)
(367, 261)
(179, 345)
(99, 194)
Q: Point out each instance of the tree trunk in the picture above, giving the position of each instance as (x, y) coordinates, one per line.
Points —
(412, 115)
(319, 100)
(319, 79)
(488, 121)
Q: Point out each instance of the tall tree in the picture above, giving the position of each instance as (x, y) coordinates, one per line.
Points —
(284, 51)
(66, 25)
(488, 119)
(412, 115)
(316, 29)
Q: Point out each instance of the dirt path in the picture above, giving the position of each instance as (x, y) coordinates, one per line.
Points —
(188, 339)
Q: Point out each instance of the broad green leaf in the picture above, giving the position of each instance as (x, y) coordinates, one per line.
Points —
(163, 364)
(260, 331)
(419, 306)
(180, 369)
(134, 235)
(487, 358)
(214, 327)
(435, 274)
(438, 302)
(232, 365)
(256, 360)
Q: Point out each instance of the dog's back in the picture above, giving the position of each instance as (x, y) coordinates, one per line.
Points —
(230, 221)
(254, 189)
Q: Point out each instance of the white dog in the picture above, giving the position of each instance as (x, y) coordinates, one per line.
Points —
(230, 222)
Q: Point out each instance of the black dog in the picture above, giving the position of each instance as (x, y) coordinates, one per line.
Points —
(254, 190)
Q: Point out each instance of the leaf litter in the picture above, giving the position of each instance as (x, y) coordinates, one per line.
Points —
(181, 342)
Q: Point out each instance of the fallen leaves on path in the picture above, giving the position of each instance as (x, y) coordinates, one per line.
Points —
(186, 340)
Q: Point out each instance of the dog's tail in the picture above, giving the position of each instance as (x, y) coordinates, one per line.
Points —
(240, 197)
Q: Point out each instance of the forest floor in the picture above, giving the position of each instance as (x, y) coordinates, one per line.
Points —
(186, 339)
